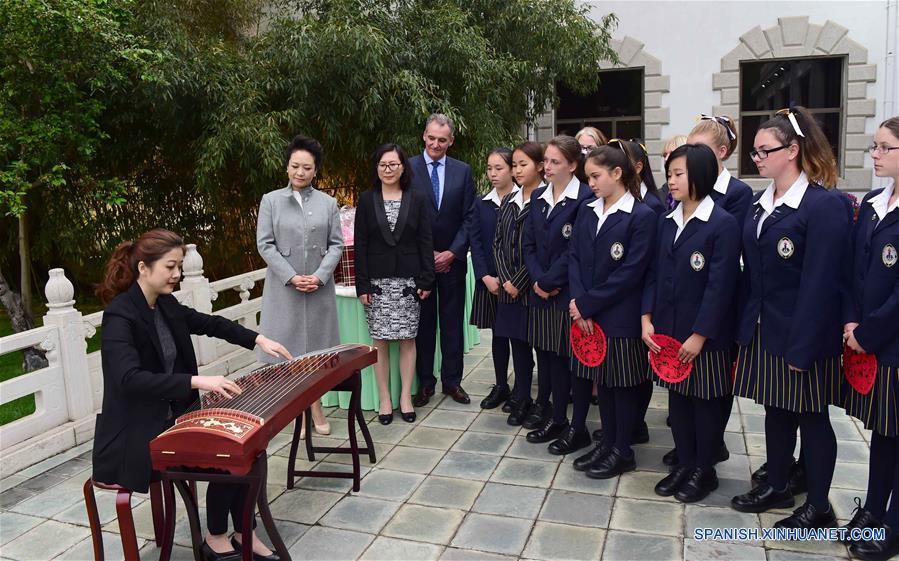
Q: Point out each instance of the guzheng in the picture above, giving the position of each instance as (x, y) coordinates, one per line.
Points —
(228, 434)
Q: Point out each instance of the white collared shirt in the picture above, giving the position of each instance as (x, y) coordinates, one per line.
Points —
(702, 212)
(881, 202)
(519, 199)
(643, 190)
(792, 198)
(493, 196)
(441, 173)
(624, 204)
(570, 192)
(722, 182)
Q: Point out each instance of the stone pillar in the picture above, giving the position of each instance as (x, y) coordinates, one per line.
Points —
(195, 292)
(72, 344)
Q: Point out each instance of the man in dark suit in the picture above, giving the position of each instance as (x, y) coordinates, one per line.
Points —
(449, 187)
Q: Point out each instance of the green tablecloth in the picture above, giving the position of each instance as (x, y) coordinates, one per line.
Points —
(354, 329)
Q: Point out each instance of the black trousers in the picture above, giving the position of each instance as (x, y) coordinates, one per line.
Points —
(446, 303)
(522, 362)
(223, 499)
(697, 427)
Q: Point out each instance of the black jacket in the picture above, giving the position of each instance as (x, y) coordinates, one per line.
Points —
(137, 393)
(407, 251)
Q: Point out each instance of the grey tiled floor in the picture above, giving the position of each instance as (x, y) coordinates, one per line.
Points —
(458, 484)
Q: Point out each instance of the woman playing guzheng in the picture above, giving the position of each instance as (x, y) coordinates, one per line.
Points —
(150, 374)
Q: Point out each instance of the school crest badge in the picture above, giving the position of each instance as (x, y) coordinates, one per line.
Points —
(785, 248)
(566, 231)
(889, 255)
(616, 251)
(697, 261)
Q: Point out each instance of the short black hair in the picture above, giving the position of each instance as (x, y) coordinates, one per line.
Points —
(405, 178)
(308, 144)
(702, 168)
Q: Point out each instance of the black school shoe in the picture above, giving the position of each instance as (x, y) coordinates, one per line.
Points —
(668, 486)
(763, 498)
(511, 402)
(672, 459)
(519, 412)
(701, 482)
(877, 550)
(550, 430)
(611, 465)
(581, 463)
(571, 441)
(807, 516)
(639, 436)
(497, 395)
(861, 519)
(537, 415)
(798, 481)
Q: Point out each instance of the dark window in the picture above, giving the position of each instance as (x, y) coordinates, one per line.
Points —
(770, 85)
(615, 108)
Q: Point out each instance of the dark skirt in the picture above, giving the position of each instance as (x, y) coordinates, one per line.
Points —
(711, 377)
(878, 410)
(511, 320)
(483, 309)
(767, 379)
(549, 329)
(626, 364)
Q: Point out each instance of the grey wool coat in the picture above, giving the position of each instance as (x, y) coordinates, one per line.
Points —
(295, 240)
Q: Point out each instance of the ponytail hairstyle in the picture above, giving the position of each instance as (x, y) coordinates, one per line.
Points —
(702, 168)
(121, 269)
(637, 153)
(613, 156)
(797, 126)
(722, 129)
(571, 151)
(892, 125)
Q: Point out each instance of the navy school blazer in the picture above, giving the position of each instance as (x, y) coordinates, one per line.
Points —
(607, 270)
(792, 278)
(655, 203)
(873, 299)
(486, 214)
(546, 245)
(736, 201)
(452, 222)
(691, 282)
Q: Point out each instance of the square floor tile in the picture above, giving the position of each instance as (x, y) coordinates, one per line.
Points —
(712, 551)
(525, 472)
(456, 554)
(447, 492)
(560, 541)
(390, 485)
(495, 534)
(510, 500)
(388, 434)
(445, 419)
(390, 549)
(425, 523)
(45, 541)
(360, 514)
(305, 506)
(483, 443)
(488, 422)
(639, 485)
(13, 525)
(650, 517)
(712, 517)
(521, 448)
(414, 460)
(621, 546)
(818, 548)
(112, 548)
(430, 437)
(330, 543)
(580, 509)
(467, 466)
(569, 479)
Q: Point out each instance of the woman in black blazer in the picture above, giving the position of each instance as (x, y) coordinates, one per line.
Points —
(394, 269)
(150, 373)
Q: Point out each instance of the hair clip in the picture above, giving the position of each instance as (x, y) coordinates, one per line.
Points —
(723, 121)
(792, 117)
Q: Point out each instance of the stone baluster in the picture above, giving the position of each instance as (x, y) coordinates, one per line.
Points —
(197, 294)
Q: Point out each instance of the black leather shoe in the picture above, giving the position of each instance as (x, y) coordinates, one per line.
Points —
(798, 481)
(422, 397)
(723, 454)
(571, 441)
(760, 475)
(519, 413)
(597, 435)
(877, 550)
(807, 516)
(256, 557)
(763, 498)
(611, 465)
(497, 395)
(701, 482)
(511, 402)
(210, 555)
(670, 459)
(408, 417)
(581, 463)
(385, 419)
(640, 434)
(548, 431)
(458, 394)
(668, 486)
(861, 519)
(537, 415)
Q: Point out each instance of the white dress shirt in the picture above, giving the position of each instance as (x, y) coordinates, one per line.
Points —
(792, 198)
(624, 204)
(441, 173)
(722, 182)
(702, 212)
(570, 192)
(881, 202)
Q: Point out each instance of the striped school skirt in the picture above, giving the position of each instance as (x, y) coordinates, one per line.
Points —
(711, 377)
(625, 365)
(878, 410)
(549, 329)
(483, 309)
(767, 379)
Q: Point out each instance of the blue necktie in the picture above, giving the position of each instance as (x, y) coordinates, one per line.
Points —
(435, 182)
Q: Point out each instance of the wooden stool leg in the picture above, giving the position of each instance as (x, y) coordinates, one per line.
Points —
(292, 458)
(90, 501)
(310, 450)
(126, 525)
(354, 444)
(156, 507)
(363, 426)
(168, 491)
(265, 513)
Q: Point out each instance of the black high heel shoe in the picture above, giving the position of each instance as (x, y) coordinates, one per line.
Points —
(385, 419)
(210, 555)
(408, 417)
(256, 557)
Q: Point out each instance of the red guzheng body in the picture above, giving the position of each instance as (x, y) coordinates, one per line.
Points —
(229, 434)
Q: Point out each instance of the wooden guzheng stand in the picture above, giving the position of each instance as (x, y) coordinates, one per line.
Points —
(225, 440)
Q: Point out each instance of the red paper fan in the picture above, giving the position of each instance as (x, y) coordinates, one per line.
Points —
(665, 363)
(860, 370)
(590, 350)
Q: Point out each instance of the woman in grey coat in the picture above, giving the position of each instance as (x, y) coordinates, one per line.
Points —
(298, 235)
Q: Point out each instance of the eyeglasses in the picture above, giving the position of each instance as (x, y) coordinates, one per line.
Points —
(883, 149)
(763, 154)
(392, 166)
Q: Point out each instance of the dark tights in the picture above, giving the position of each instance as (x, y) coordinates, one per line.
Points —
(556, 369)
(697, 428)
(618, 410)
(522, 362)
